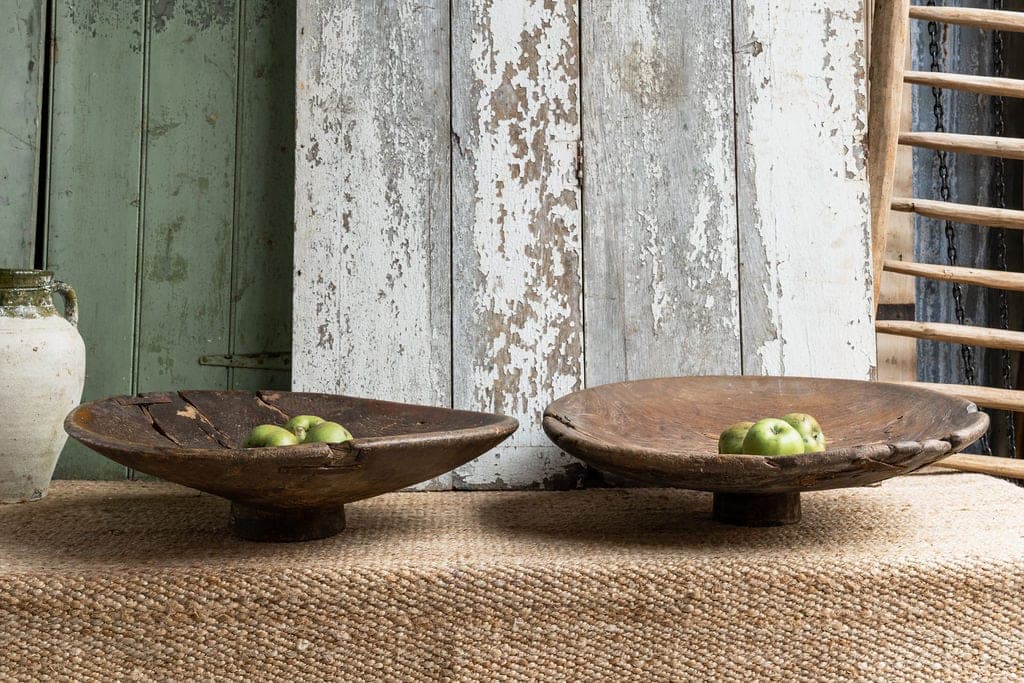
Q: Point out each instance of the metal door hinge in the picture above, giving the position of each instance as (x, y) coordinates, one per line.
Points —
(275, 360)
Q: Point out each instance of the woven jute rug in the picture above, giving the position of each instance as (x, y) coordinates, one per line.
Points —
(920, 579)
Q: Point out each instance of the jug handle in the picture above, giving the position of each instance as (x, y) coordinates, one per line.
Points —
(70, 301)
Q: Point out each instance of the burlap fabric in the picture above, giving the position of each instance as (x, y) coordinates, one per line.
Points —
(919, 579)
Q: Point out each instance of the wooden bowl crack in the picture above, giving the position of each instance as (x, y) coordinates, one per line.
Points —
(285, 493)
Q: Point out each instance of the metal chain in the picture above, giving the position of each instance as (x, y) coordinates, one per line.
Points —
(939, 114)
(999, 198)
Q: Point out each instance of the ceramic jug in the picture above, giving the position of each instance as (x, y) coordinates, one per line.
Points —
(42, 370)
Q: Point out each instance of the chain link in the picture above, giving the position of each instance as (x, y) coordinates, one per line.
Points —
(939, 114)
(999, 199)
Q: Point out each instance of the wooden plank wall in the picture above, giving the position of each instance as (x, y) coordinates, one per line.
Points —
(802, 116)
(516, 226)
(21, 81)
(169, 193)
(627, 199)
(384, 142)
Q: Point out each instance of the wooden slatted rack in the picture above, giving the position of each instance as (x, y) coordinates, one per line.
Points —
(888, 75)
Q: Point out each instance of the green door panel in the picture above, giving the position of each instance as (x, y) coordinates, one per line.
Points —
(170, 192)
(22, 33)
(262, 292)
(93, 197)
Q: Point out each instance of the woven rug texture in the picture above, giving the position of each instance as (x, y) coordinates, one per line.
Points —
(919, 579)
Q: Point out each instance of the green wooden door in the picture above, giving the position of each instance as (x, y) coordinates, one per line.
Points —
(167, 186)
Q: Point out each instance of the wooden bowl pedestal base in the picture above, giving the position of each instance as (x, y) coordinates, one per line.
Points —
(284, 525)
(757, 509)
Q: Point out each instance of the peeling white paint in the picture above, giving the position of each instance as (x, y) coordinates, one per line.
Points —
(667, 266)
(518, 313)
(804, 221)
(372, 288)
(661, 261)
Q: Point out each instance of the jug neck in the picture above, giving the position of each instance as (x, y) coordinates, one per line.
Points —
(26, 293)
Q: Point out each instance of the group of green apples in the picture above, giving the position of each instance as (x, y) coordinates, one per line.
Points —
(299, 429)
(791, 434)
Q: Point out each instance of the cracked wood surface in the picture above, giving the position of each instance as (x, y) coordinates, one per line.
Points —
(638, 257)
(195, 438)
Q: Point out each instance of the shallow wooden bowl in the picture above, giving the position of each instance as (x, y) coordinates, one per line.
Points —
(665, 432)
(287, 493)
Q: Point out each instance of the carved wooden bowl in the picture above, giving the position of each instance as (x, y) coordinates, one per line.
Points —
(665, 432)
(287, 493)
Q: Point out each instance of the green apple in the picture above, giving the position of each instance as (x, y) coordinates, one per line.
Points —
(810, 431)
(772, 436)
(270, 435)
(327, 432)
(731, 440)
(300, 424)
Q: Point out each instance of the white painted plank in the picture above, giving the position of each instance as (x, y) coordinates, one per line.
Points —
(518, 325)
(661, 269)
(372, 244)
(805, 276)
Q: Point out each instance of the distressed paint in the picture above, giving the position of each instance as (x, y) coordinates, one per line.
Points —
(183, 309)
(232, 231)
(661, 276)
(21, 69)
(518, 319)
(805, 276)
(661, 247)
(94, 196)
(265, 172)
(372, 312)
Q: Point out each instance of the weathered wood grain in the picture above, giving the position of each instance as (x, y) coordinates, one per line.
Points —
(665, 431)
(221, 172)
(897, 356)
(283, 493)
(261, 292)
(890, 36)
(188, 207)
(805, 275)
(21, 71)
(661, 270)
(94, 193)
(517, 313)
(372, 314)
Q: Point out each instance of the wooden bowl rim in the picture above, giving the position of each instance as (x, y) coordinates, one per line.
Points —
(299, 453)
(558, 425)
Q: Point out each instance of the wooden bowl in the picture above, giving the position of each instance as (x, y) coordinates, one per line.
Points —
(665, 432)
(286, 493)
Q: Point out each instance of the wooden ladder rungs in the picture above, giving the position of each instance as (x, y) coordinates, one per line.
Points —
(997, 279)
(998, 20)
(961, 213)
(982, 85)
(985, 145)
(984, 464)
(986, 397)
(987, 337)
